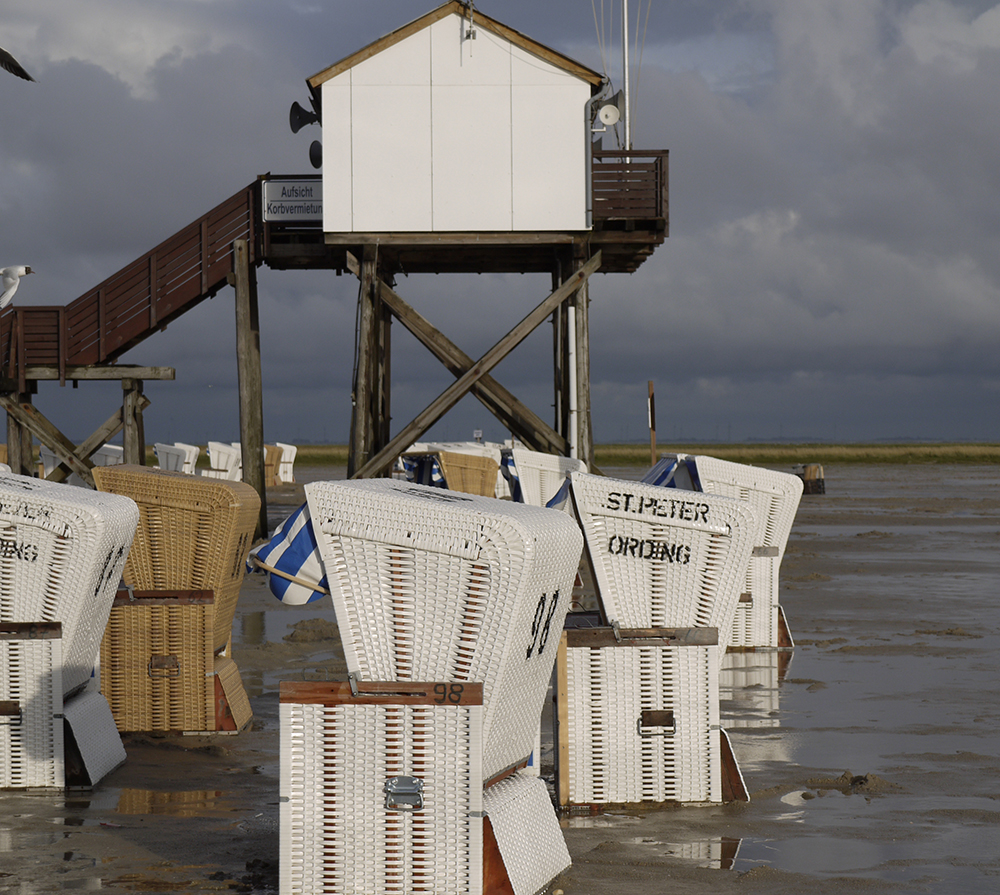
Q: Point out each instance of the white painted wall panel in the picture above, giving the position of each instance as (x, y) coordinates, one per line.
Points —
(455, 61)
(442, 133)
(548, 159)
(405, 64)
(528, 70)
(392, 158)
(472, 158)
(338, 198)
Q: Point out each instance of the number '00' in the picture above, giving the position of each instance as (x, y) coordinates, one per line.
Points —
(542, 623)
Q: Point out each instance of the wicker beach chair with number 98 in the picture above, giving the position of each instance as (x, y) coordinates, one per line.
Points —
(437, 590)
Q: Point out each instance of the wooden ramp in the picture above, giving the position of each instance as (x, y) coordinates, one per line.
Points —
(128, 307)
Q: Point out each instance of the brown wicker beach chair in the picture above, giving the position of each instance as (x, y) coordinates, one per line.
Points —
(166, 651)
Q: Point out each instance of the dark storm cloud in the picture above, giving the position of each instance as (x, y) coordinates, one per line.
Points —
(832, 269)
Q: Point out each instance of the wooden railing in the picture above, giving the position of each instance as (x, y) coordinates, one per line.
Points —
(630, 185)
(140, 299)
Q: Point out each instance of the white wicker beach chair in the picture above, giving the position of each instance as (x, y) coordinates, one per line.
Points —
(774, 496)
(286, 468)
(50, 461)
(534, 477)
(63, 551)
(224, 460)
(170, 456)
(191, 454)
(441, 586)
(664, 558)
(31, 706)
(108, 455)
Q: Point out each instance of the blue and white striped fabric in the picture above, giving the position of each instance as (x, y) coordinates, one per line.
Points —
(560, 500)
(674, 472)
(509, 471)
(423, 469)
(292, 561)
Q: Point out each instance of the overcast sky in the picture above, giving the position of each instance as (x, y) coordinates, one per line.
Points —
(833, 268)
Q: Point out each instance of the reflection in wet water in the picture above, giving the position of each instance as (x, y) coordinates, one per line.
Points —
(713, 854)
(194, 803)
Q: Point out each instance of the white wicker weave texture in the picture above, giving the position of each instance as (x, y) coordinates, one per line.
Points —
(542, 475)
(527, 832)
(431, 585)
(337, 836)
(62, 550)
(775, 498)
(610, 760)
(31, 736)
(664, 557)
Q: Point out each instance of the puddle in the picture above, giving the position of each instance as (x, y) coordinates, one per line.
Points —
(712, 854)
(191, 803)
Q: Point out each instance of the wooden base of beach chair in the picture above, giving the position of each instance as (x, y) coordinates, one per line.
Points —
(159, 671)
(381, 791)
(638, 719)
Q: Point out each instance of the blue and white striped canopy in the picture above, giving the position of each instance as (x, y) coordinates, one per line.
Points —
(674, 472)
(292, 561)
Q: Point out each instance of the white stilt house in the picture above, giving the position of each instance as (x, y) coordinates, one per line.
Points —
(457, 144)
(455, 123)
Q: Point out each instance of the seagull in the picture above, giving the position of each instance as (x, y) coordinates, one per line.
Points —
(11, 278)
(13, 66)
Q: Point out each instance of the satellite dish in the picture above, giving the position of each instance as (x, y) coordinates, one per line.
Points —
(316, 154)
(609, 114)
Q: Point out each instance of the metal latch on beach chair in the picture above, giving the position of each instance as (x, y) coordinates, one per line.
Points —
(655, 723)
(10, 708)
(163, 667)
(404, 793)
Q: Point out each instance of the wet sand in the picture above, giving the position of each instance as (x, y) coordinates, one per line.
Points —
(872, 759)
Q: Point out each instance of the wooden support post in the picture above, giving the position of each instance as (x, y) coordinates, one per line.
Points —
(365, 380)
(19, 443)
(584, 431)
(249, 377)
(384, 357)
(458, 389)
(134, 432)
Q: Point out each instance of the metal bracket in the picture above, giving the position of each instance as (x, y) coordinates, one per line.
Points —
(404, 793)
(650, 718)
(616, 629)
(163, 667)
(352, 679)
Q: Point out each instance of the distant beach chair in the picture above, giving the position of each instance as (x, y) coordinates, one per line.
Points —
(759, 620)
(191, 454)
(534, 477)
(272, 462)
(108, 455)
(169, 456)
(286, 469)
(224, 462)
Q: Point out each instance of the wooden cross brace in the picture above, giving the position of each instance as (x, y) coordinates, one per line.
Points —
(74, 458)
(473, 375)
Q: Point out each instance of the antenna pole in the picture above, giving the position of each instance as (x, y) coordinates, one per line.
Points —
(627, 112)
